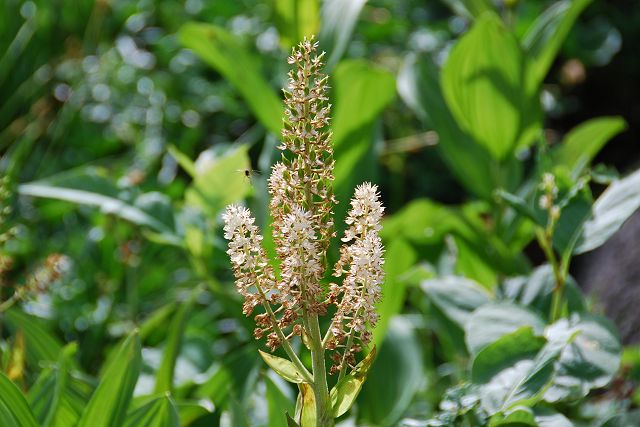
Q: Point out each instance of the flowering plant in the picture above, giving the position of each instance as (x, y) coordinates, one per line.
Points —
(292, 297)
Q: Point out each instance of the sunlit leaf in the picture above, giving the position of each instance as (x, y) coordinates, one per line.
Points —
(456, 297)
(610, 211)
(546, 35)
(491, 321)
(296, 19)
(222, 51)
(344, 393)
(283, 367)
(220, 180)
(487, 90)
(307, 405)
(589, 362)
(583, 142)
(339, 18)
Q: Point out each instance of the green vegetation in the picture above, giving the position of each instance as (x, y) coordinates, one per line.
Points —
(127, 128)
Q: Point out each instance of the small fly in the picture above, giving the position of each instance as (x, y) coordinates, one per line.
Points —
(249, 173)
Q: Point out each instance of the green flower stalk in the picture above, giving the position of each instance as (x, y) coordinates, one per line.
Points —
(302, 203)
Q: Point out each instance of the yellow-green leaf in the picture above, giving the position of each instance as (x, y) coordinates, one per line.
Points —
(282, 367)
(345, 392)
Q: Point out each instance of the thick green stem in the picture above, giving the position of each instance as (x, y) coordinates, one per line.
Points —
(324, 412)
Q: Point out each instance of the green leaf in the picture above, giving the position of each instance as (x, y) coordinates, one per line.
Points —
(220, 180)
(536, 290)
(456, 297)
(278, 403)
(296, 19)
(582, 143)
(470, 8)
(339, 19)
(222, 51)
(109, 404)
(618, 202)
(490, 322)
(520, 417)
(590, 361)
(511, 371)
(387, 393)
(399, 258)
(548, 417)
(183, 160)
(14, 410)
(283, 367)
(628, 419)
(165, 373)
(546, 35)
(60, 394)
(159, 412)
(189, 410)
(361, 92)
(41, 345)
(88, 187)
(487, 89)
(419, 87)
(344, 393)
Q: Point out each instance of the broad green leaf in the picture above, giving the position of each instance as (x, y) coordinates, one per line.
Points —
(487, 90)
(278, 403)
(344, 393)
(87, 187)
(590, 361)
(14, 410)
(510, 371)
(183, 160)
(109, 404)
(165, 373)
(339, 19)
(573, 215)
(296, 19)
(396, 377)
(419, 88)
(41, 345)
(159, 412)
(610, 211)
(399, 258)
(361, 92)
(219, 180)
(491, 321)
(548, 417)
(470, 8)
(60, 393)
(628, 419)
(283, 367)
(536, 291)
(54, 400)
(546, 35)
(520, 417)
(456, 297)
(583, 142)
(189, 410)
(222, 51)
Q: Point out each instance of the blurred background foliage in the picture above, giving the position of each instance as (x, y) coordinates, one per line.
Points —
(126, 126)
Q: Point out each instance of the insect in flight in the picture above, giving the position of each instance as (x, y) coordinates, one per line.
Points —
(249, 173)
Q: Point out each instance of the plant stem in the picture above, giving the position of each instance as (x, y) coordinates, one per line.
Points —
(324, 413)
(559, 273)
